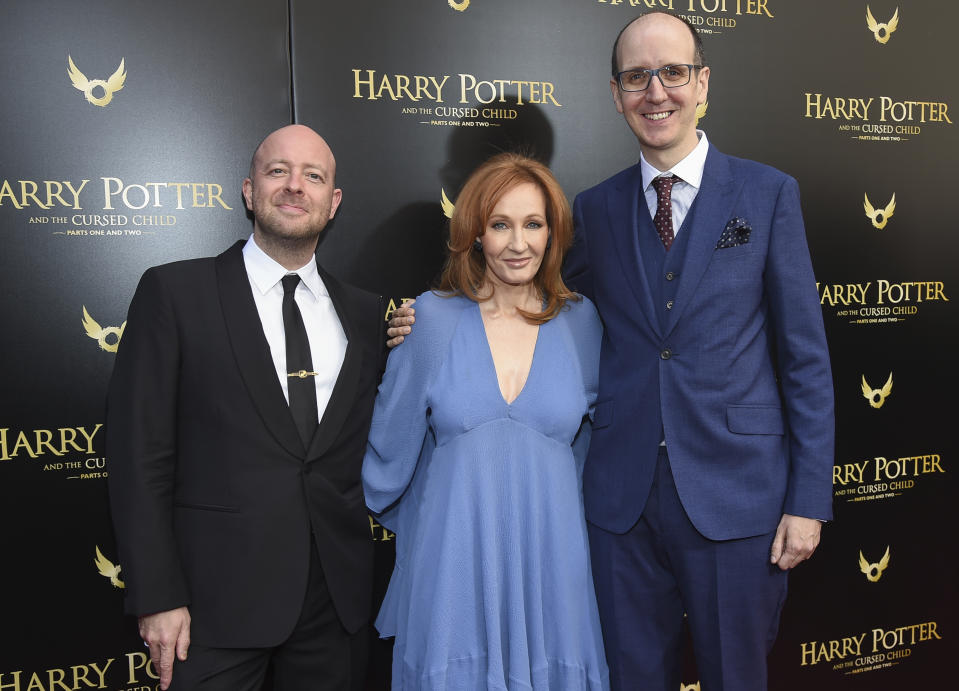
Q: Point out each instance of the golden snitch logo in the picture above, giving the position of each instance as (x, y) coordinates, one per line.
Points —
(100, 334)
(446, 204)
(879, 217)
(876, 397)
(882, 30)
(873, 571)
(107, 569)
(701, 109)
(109, 87)
(459, 6)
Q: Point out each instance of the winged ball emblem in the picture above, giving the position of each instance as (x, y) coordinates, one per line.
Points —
(446, 204)
(882, 30)
(701, 109)
(879, 217)
(873, 571)
(108, 569)
(100, 334)
(108, 87)
(876, 397)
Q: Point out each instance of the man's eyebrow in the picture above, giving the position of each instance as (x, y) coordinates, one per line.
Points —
(314, 166)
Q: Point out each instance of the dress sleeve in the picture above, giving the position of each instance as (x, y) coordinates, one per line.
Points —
(399, 431)
(587, 332)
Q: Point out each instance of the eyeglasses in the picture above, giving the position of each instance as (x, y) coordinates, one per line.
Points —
(670, 76)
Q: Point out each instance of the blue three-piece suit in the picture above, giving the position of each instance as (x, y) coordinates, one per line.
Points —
(717, 347)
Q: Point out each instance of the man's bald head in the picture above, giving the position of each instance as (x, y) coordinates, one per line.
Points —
(700, 55)
(291, 192)
(295, 132)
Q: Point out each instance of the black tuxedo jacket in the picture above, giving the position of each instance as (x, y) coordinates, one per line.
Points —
(215, 500)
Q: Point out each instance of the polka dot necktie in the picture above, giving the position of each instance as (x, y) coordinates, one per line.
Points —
(663, 220)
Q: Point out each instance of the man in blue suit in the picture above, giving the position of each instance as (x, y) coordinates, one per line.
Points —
(709, 469)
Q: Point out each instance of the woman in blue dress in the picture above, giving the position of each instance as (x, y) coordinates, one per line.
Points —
(476, 451)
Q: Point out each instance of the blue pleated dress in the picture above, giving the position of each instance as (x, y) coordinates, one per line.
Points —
(492, 588)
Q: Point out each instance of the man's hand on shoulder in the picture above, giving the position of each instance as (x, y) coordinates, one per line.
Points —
(401, 321)
(796, 539)
(166, 634)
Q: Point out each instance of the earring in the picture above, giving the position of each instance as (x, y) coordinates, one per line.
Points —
(549, 241)
(477, 245)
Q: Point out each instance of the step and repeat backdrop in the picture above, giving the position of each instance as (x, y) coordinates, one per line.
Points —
(127, 131)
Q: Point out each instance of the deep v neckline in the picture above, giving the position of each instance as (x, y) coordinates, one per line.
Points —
(492, 360)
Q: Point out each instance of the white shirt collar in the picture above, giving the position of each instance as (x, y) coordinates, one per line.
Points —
(689, 170)
(265, 272)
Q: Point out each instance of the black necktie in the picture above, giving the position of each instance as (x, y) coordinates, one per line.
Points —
(663, 220)
(299, 364)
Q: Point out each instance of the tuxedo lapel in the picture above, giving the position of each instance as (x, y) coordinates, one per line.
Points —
(344, 390)
(705, 222)
(251, 350)
(623, 204)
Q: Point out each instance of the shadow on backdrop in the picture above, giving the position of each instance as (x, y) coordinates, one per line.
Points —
(405, 253)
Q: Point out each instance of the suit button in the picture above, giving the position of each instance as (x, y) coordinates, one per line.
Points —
(669, 304)
(666, 354)
(670, 275)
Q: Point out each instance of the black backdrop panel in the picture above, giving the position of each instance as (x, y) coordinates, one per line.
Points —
(156, 166)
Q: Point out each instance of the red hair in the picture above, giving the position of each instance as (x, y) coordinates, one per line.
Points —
(465, 269)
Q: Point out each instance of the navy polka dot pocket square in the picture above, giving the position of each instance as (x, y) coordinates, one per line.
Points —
(735, 233)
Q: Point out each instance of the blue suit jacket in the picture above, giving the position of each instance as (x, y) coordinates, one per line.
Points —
(737, 373)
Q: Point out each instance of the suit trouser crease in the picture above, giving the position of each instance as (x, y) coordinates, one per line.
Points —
(647, 578)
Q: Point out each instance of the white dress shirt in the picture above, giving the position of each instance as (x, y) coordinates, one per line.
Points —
(327, 339)
(690, 174)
